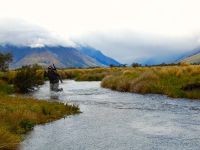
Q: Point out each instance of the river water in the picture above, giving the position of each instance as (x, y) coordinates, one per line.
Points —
(117, 121)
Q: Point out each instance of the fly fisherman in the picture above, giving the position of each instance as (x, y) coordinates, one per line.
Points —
(54, 78)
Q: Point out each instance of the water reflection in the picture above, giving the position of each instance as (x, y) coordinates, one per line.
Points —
(54, 95)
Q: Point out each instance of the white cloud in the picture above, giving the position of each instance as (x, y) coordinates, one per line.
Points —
(137, 28)
(75, 17)
(19, 32)
(128, 47)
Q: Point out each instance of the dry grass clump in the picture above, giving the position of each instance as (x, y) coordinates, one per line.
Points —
(19, 115)
(184, 64)
(168, 80)
(8, 140)
(128, 72)
(122, 78)
(95, 74)
(144, 83)
(91, 77)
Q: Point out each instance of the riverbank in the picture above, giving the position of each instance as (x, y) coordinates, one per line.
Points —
(20, 115)
(179, 81)
(173, 81)
(92, 74)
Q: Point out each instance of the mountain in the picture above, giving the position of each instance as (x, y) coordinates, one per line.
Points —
(158, 59)
(195, 59)
(192, 57)
(98, 56)
(59, 55)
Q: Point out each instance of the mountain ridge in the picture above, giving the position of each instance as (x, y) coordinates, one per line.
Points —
(62, 56)
(98, 56)
(192, 57)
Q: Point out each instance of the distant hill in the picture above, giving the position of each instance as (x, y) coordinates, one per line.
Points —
(191, 57)
(59, 55)
(98, 56)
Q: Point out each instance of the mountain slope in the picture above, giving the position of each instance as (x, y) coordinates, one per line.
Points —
(59, 55)
(45, 58)
(98, 56)
(191, 57)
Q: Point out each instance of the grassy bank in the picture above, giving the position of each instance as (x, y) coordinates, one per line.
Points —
(175, 81)
(19, 115)
(95, 74)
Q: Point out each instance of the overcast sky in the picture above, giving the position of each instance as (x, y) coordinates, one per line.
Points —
(139, 28)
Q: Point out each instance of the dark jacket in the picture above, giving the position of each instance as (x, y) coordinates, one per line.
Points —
(53, 76)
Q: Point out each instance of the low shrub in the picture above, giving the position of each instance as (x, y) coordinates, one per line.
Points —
(27, 78)
(5, 88)
(26, 125)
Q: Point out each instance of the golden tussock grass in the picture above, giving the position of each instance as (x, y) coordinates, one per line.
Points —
(19, 115)
(168, 80)
(94, 74)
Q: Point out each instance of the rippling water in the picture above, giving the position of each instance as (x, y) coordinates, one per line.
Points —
(117, 121)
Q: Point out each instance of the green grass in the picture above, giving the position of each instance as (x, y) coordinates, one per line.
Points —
(5, 88)
(20, 115)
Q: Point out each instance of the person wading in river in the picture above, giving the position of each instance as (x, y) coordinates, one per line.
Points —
(54, 78)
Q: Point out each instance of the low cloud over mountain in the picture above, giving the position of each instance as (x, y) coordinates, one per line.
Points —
(21, 33)
(131, 47)
(31, 44)
(126, 46)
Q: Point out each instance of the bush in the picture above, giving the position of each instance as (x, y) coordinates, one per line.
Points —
(136, 65)
(27, 78)
(6, 88)
(27, 125)
(5, 59)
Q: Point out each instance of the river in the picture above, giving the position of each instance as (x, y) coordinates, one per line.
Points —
(117, 121)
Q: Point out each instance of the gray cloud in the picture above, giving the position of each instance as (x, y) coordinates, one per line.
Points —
(129, 47)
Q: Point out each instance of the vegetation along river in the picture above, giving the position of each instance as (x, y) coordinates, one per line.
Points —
(117, 121)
